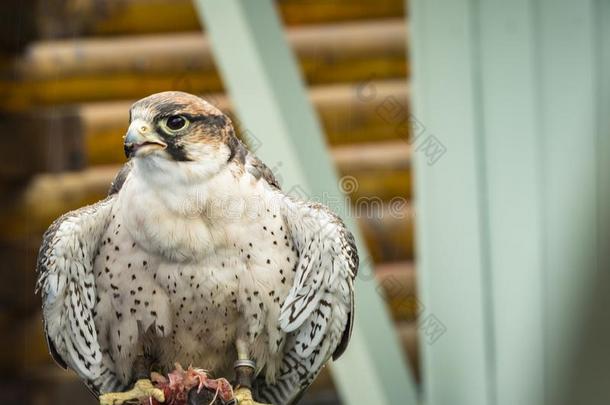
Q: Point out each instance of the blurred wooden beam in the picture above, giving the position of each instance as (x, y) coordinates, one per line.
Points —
(18, 271)
(373, 156)
(375, 172)
(30, 208)
(68, 71)
(397, 284)
(27, 20)
(40, 141)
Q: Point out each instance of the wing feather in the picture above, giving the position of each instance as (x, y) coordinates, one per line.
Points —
(314, 329)
(67, 284)
(327, 253)
(318, 311)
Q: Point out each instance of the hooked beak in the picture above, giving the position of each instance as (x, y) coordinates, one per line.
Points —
(141, 140)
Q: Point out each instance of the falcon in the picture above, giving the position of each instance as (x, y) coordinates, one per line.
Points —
(196, 256)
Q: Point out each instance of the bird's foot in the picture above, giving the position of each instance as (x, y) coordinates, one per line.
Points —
(142, 389)
(243, 396)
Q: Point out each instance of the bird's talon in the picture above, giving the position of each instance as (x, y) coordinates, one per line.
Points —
(244, 397)
(141, 389)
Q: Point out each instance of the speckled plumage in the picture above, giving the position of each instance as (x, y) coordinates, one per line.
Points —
(196, 247)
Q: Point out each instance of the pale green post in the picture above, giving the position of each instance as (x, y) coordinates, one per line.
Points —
(263, 81)
(451, 257)
(519, 93)
(566, 46)
(512, 171)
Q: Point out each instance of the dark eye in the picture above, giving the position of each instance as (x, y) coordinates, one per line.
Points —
(176, 122)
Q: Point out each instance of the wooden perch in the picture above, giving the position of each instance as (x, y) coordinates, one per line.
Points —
(68, 71)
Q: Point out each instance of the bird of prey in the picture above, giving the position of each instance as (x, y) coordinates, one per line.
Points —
(197, 256)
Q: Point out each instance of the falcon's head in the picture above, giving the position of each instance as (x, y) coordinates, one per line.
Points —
(175, 129)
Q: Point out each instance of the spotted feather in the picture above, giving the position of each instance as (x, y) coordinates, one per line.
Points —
(67, 285)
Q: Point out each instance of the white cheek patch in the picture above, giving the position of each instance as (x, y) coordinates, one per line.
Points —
(208, 158)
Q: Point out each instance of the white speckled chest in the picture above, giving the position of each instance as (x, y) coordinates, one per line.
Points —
(192, 310)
